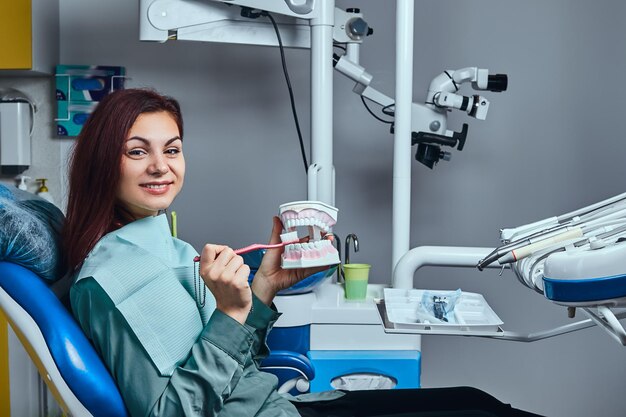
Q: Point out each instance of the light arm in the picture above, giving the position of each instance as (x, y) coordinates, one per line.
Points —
(236, 22)
(226, 22)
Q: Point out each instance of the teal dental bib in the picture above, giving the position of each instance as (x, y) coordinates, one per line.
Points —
(149, 276)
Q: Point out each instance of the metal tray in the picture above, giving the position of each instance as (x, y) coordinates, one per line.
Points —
(399, 313)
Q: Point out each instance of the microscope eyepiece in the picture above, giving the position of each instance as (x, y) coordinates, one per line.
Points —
(497, 83)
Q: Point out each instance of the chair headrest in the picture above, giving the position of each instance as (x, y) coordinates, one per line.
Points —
(31, 233)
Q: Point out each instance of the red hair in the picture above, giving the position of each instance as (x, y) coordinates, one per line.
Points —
(95, 168)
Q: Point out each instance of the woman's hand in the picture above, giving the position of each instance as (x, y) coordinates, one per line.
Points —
(227, 277)
(270, 277)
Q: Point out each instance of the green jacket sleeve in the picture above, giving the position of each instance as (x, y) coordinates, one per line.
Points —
(219, 377)
(260, 321)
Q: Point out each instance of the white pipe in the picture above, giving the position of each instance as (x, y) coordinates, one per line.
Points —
(353, 71)
(353, 52)
(332, 203)
(312, 182)
(322, 101)
(401, 221)
(435, 256)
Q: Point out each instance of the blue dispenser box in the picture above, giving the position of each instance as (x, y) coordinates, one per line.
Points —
(79, 88)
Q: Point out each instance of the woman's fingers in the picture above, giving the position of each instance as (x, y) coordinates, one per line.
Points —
(227, 278)
(210, 253)
(277, 227)
(231, 266)
(222, 260)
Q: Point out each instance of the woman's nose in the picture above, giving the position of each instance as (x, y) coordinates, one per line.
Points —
(158, 166)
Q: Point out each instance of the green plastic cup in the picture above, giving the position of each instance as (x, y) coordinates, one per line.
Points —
(356, 277)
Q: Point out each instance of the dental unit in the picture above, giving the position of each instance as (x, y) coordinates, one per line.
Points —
(577, 259)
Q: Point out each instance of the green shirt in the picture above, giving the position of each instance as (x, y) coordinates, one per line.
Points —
(128, 299)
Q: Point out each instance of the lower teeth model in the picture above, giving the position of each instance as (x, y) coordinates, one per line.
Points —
(318, 217)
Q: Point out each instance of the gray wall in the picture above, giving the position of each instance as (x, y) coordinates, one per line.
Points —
(552, 143)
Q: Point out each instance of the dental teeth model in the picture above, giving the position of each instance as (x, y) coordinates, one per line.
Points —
(318, 217)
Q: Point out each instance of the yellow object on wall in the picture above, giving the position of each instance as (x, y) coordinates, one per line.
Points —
(16, 34)
(5, 394)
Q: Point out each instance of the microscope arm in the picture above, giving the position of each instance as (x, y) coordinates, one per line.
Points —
(362, 87)
(429, 120)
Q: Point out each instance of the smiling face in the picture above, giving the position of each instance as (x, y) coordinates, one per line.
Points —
(153, 166)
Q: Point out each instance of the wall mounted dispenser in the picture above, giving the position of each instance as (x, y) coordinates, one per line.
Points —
(15, 131)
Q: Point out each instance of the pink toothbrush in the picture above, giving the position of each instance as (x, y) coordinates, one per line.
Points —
(256, 246)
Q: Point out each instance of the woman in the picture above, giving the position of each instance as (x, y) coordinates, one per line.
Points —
(174, 348)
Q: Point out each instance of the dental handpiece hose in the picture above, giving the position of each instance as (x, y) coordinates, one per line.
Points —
(606, 210)
(531, 246)
(572, 218)
(503, 250)
(600, 206)
(524, 251)
(517, 250)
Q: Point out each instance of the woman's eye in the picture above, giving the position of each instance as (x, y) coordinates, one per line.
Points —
(173, 151)
(136, 152)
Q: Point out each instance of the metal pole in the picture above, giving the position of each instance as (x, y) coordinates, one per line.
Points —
(401, 222)
(322, 104)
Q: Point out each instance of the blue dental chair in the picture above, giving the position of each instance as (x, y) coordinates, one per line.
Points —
(66, 360)
(30, 268)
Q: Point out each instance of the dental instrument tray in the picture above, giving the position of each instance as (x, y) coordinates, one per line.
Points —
(401, 311)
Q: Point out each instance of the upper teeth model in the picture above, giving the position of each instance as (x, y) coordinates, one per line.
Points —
(318, 217)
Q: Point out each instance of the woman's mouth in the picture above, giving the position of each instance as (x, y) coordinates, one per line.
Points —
(157, 188)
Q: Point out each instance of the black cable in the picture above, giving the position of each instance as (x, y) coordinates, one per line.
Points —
(293, 102)
(387, 111)
(372, 113)
(336, 45)
(456, 87)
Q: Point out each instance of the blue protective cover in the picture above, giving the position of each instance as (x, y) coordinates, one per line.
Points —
(288, 359)
(585, 290)
(286, 365)
(293, 338)
(30, 233)
(79, 364)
